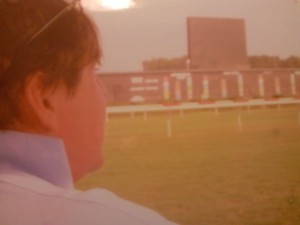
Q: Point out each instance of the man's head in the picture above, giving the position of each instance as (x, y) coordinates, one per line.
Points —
(48, 50)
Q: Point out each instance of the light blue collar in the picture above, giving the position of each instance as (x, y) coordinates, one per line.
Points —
(41, 156)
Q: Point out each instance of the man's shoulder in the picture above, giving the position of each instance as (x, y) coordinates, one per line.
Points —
(43, 203)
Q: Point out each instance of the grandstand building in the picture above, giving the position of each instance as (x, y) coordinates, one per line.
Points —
(198, 85)
(218, 69)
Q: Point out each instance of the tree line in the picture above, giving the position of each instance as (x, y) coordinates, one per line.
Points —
(256, 61)
(265, 61)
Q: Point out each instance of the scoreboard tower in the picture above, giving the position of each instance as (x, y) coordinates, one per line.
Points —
(217, 43)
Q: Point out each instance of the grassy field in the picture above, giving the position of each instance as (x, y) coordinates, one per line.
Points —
(208, 172)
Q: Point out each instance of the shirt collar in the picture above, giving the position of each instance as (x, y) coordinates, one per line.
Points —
(41, 156)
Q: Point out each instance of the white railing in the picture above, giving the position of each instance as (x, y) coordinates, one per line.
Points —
(194, 105)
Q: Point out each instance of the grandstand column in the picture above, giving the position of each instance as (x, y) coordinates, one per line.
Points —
(178, 90)
(224, 88)
(189, 86)
(205, 94)
(277, 86)
(278, 91)
(293, 84)
(240, 85)
(166, 88)
(188, 64)
(261, 86)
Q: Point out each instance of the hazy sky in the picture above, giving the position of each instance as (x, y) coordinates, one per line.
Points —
(157, 28)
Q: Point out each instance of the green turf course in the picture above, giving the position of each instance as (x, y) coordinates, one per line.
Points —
(208, 172)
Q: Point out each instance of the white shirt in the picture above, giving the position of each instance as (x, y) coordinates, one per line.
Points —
(36, 189)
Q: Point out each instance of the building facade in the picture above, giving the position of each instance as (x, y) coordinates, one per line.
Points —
(198, 85)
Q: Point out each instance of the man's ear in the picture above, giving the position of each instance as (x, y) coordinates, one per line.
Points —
(42, 105)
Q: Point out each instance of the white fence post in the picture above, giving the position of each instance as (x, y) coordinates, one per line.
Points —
(145, 116)
(216, 111)
(240, 125)
(169, 126)
(181, 113)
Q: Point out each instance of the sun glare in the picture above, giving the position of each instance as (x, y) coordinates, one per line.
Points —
(117, 4)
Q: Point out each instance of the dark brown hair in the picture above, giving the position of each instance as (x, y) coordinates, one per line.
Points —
(60, 51)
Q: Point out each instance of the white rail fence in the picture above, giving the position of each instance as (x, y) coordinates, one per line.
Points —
(145, 109)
